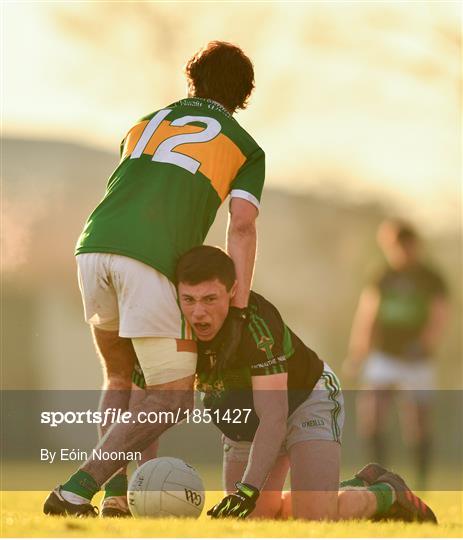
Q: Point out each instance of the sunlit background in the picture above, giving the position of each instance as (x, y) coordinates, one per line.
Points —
(357, 105)
(362, 97)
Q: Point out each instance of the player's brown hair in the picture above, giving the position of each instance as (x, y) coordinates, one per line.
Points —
(397, 230)
(222, 72)
(205, 263)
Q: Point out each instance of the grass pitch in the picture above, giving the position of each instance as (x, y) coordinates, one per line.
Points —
(22, 517)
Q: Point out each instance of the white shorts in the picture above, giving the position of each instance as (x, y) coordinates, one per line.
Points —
(319, 418)
(121, 293)
(384, 371)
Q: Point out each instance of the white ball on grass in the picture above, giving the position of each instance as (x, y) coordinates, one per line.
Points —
(165, 487)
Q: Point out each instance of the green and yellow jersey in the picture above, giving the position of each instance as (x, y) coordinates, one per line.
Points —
(177, 166)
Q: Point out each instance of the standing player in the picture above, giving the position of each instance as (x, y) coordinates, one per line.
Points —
(177, 166)
(296, 411)
(397, 327)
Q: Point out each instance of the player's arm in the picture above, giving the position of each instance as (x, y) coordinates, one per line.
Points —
(435, 325)
(245, 193)
(362, 331)
(241, 246)
(270, 395)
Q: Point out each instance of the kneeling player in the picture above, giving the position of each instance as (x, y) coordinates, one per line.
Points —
(296, 410)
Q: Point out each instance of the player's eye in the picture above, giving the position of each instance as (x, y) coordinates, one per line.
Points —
(210, 299)
(187, 300)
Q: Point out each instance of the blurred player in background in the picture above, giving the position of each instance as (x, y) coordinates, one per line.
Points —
(177, 166)
(398, 324)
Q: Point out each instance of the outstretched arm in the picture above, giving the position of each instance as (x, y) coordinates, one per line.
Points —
(362, 331)
(241, 246)
(270, 396)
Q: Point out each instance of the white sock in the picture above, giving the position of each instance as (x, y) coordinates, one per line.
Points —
(73, 498)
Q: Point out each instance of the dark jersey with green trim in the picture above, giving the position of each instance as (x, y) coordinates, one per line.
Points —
(405, 300)
(177, 166)
(267, 347)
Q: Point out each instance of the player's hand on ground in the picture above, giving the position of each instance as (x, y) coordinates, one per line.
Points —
(231, 337)
(239, 504)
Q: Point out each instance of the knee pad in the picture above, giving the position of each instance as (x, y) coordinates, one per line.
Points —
(164, 360)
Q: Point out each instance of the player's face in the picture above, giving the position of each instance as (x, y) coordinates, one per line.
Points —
(401, 254)
(205, 306)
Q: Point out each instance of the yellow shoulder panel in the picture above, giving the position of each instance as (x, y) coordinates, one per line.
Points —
(220, 158)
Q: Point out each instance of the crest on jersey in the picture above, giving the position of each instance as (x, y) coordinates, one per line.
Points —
(265, 344)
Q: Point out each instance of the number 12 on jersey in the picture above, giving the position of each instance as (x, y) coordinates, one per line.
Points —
(165, 151)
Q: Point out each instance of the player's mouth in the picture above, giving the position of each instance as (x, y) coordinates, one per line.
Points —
(203, 330)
